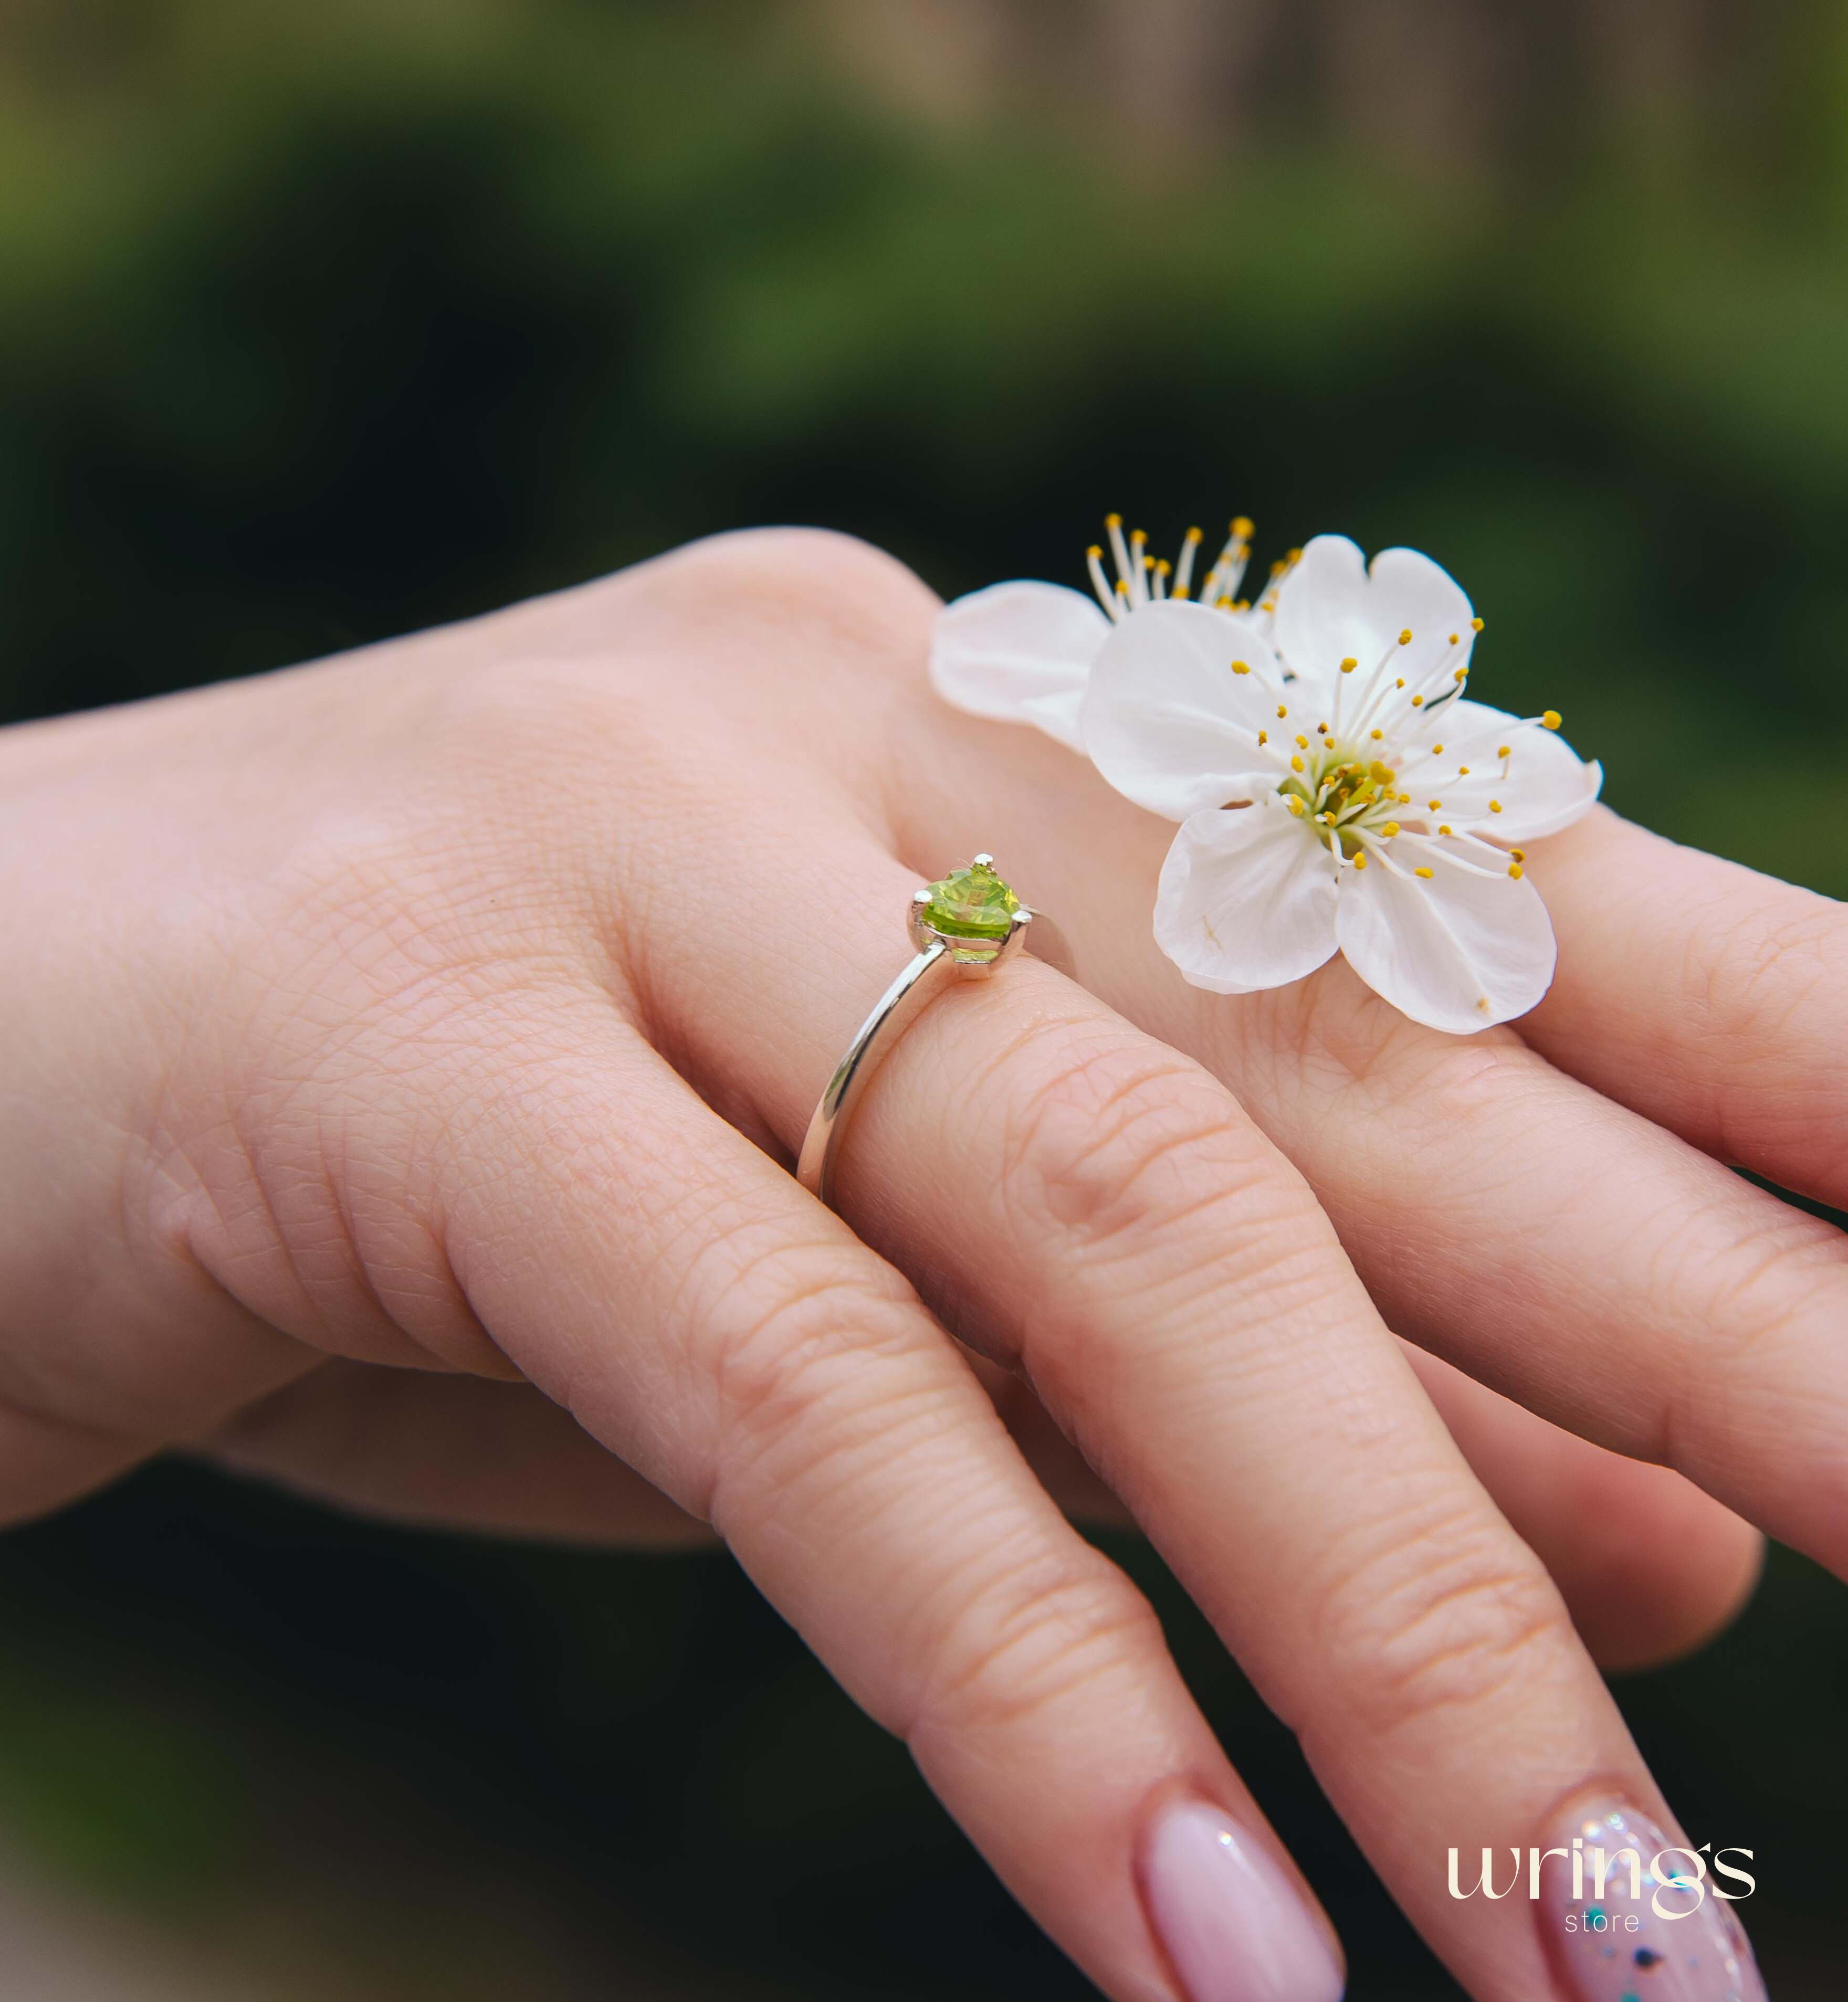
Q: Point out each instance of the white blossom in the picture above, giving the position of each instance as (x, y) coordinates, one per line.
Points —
(1336, 790)
(1022, 652)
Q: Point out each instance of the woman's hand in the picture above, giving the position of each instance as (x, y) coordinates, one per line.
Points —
(451, 1007)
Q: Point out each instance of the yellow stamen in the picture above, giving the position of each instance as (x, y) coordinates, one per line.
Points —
(1417, 700)
(1405, 638)
(1302, 743)
(1376, 735)
(1427, 874)
(1551, 719)
(1349, 665)
(1504, 751)
(1444, 830)
(1193, 535)
(1519, 854)
(1360, 861)
(1461, 674)
(1296, 805)
(1296, 765)
(1476, 625)
(1435, 805)
(1112, 521)
(1405, 799)
(1495, 806)
(1437, 750)
(1244, 527)
(1462, 771)
(1390, 829)
(1241, 667)
(1514, 871)
(1263, 736)
(1281, 710)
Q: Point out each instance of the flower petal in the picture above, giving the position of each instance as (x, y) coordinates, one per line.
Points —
(1458, 950)
(1168, 721)
(1018, 653)
(1334, 606)
(1541, 786)
(1247, 900)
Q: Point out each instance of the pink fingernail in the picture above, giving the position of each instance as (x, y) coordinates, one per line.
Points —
(1234, 1925)
(1673, 1941)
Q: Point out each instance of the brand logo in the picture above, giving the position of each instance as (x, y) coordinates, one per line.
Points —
(1674, 1883)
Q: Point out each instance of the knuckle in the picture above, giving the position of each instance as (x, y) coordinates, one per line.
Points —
(1441, 1612)
(814, 1322)
(1118, 1143)
(1026, 1641)
(801, 565)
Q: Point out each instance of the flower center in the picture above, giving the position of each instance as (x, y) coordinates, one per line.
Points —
(1340, 791)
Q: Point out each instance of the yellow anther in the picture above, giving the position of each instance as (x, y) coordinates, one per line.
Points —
(1122, 589)
(1138, 536)
(1349, 665)
(1495, 806)
(1405, 799)
(1295, 805)
(1417, 700)
(1437, 750)
(1504, 750)
(1263, 736)
(1244, 527)
(1360, 861)
(1225, 604)
(1302, 743)
(1112, 521)
(1435, 805)
(1241, 667)
(1281, 710)
(1094, 550)
(1519, 854)
(1476, 625)
(1270, 604)
(1514, 871)
(1163, 568)
(1461, 674)
(1376, 735)
(1297, 764)
(1381, 775)
(1444, 830)
(1462, 771)
(1390, 829)
(1427, 874)
(1400, 682)
(1193, 535)
(1322, 729)
(1456, 639)
(1278, 567)
(1551, 719)
(1405, 638)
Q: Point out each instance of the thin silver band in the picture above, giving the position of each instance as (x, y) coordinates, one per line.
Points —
(941, 960)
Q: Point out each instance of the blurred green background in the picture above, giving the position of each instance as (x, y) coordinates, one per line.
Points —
(318, 323)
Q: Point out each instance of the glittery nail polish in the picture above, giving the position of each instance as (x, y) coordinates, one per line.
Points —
(1675, 1941)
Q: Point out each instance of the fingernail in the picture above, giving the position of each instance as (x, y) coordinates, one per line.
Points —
(1671, 1944)
(1233, 1924)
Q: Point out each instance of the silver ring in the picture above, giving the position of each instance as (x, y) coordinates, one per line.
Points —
(964, 927)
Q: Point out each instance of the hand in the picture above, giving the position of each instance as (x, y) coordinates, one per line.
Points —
(449, 1007)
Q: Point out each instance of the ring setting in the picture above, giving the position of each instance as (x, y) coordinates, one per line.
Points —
(964, 926)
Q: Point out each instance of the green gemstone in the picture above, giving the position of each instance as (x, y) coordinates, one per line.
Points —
(971, 903)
